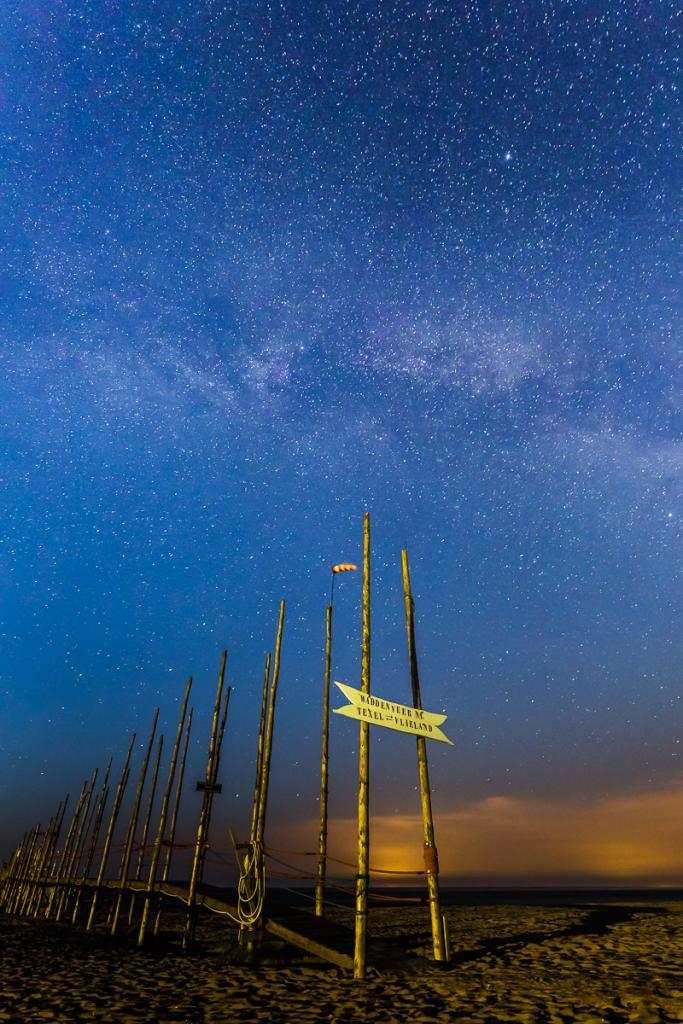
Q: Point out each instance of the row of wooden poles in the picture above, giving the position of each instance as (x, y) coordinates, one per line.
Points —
(69, 882)
(44, 880)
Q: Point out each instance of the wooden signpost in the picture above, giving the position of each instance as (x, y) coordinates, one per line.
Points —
(367, 709)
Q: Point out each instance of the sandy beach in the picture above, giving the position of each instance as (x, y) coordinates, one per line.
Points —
(602, 961)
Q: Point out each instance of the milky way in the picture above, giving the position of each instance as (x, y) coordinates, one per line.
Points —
(267, 265)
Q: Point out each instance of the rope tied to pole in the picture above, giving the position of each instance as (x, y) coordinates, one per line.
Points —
(251, 887)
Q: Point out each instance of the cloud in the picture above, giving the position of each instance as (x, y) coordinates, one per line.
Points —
(625, 839)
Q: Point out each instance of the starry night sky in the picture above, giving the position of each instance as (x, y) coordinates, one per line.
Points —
(266, 265)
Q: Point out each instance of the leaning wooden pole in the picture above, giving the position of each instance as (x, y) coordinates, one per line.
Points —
(66, 852)
(259, 749)
(76, 849)
(362, 874)
(13, 885)
(8, 881)
(24, 869)
(86, 830)
(44, 863)
(431, 859)
(118, 799)
(219, 743)
(94, 837)
(170, 842)
(163, 815)
(145, 825)
(268, 742)
(40, 892)
(248, 933)
(132, 826)
(263, 782)
(204, 814)
(31, 869)
(324, 770)
(210, 789)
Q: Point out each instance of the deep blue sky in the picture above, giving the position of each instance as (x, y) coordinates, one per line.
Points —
(263, 266)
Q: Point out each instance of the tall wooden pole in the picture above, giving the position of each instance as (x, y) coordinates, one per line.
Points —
(32, 872)
(259, 751)
(163, 814)
(204, 815)
(66, 851)
(248, 934)
(31, 869)
(174, 816)
(145, 825)
(13, 887)
(120, 790)
(132, 827)
(41, 892)
(9, 879)
(45, 861)
(431, 859)
(87, 830)
(258, 825)
(24, 869)
(94, 836)
(76, 850)
(219, 742)
(268, 742)
(362, 874)
(324, 770)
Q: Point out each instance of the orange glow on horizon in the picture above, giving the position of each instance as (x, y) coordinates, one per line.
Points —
(632, 839)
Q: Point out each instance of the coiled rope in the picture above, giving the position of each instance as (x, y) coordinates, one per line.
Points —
(251, 887)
